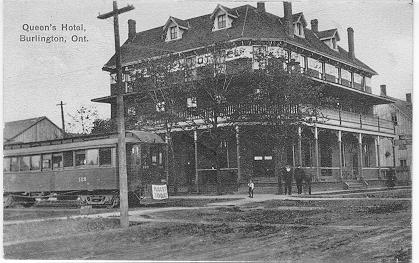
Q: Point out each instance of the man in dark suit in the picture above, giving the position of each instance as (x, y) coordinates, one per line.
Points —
(299, 177)
(287, 174)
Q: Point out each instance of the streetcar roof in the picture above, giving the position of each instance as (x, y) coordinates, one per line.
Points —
(146, 137)
(80, 142)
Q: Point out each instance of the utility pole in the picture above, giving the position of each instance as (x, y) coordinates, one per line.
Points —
(122, 158)
(62, 116)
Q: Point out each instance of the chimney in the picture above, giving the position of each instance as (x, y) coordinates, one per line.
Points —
(351, 48)
(383, 91)
(315, 26)
(131, 29)
(261, 7)
(409, 98)
(288, 22)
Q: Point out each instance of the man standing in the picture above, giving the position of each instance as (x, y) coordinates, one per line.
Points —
(299, 177)
(288, 175)
(251, 187)
(307, 180)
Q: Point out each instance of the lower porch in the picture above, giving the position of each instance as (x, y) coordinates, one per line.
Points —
(331, 157)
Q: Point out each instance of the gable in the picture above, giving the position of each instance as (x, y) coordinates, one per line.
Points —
(16, 128)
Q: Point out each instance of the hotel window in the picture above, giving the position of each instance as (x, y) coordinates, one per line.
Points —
(259, 57)
(160, 106)
(331, 73)
(113, 78)
(173, 32)
(220, 63)
(334, 43)
(346, 78)
(367, 84)
(222, 21)
(300, 59)
(314, 68)
(191, 102)
(299, 29)
(358, 81)
(403, 163)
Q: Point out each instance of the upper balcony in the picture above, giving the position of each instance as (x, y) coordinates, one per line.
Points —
(327, 118)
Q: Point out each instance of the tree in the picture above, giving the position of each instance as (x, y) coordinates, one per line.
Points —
(222, 94)
(82, 120)
(102, 126)
(158, 84)
(285, 100)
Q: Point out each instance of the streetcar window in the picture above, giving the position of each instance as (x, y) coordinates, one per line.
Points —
(57, 160)
(105, 156)
(154, 158)
(25, 162)
(35, 162)
(14, 164)
(145, 155)
(80, 158)
(68, 159)
(6, 164)
(160, 158)
(92, 157)
(46, 161)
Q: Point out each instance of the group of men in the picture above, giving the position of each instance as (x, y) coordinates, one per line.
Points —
(287, 176)
(285, 179)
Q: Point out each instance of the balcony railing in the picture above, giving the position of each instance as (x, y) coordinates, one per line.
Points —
(327, 116)
(356, 121)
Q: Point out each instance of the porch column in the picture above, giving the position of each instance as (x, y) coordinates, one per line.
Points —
(300, 156)
(195, 140)
(393, 142)
(378, 161)
(166, 159)
(316, 141)
(239, 177)
(360, 155)
(340, 154)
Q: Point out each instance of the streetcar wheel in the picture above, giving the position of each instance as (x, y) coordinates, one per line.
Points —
(8, 201)
(115, 202)
(29, 202)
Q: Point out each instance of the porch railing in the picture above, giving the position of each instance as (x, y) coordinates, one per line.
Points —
(356, 120)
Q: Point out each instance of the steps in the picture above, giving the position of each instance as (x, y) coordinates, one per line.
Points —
(354, 185)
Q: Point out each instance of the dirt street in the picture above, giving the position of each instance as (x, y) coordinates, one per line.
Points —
(304, 230)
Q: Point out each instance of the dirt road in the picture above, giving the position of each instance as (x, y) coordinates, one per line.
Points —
(304, 230)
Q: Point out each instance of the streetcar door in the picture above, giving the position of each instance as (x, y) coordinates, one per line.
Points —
(136, 165)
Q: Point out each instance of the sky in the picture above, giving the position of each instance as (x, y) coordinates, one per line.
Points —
(38, 75)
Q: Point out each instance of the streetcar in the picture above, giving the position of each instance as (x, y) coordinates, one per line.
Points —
(85, 169)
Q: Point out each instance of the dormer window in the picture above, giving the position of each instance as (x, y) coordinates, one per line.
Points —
(222, 17)
(174, 29)
(299, 29)
(329, 37)
(173, 33)
(222, 21)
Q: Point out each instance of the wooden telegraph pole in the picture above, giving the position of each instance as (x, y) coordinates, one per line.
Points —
(122, 158)
(62, 116)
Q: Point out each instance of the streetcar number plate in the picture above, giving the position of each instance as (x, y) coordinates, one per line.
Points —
(82, 179)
